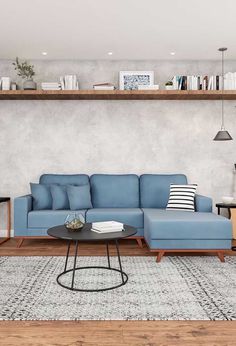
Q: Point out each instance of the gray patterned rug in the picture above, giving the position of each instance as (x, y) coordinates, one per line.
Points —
(178, 288)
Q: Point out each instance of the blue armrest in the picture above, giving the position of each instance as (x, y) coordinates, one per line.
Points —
(203, 204)
(22, 205)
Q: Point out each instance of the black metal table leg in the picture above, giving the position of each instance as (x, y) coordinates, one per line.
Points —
(108, 255)
(73, 275)
(67, 254)
(118, 254)
(124, 276)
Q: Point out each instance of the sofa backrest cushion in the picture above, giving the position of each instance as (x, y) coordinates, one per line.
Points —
(155, 188)
(64, 179)
(115, 191)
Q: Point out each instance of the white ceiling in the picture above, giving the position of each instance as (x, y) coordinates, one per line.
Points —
(131, 29)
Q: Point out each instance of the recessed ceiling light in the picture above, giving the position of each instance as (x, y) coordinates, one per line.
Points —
(44, 53)
(172, 53)
(110, 53)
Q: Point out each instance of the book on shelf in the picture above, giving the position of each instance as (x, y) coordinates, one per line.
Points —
(50, 86)
(104, 86)
(148, 87)
(107, 227)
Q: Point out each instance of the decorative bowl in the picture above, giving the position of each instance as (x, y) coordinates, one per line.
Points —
(74, 222)
(227, 200)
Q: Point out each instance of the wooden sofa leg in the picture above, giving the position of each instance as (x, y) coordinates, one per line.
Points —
(20, 242)
(221, 256)
(139, 241)
(159, 256)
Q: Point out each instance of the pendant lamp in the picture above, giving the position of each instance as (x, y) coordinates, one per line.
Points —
(222, 135)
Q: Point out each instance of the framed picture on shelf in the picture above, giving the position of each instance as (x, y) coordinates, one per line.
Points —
(130, 80)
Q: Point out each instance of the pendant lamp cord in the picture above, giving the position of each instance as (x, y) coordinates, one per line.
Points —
(222, 93)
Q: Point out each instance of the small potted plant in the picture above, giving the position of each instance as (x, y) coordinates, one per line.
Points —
(169, 85)
(25, 71)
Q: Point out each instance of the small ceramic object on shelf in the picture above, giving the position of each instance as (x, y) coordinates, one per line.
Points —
(169, 85)
(29, 84)
(13, 86)
(227, 200)
(74, 222)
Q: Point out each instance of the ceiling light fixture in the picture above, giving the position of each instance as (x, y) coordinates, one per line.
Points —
(44, 53)
(110, 53)
(222, 135)
(172, 53)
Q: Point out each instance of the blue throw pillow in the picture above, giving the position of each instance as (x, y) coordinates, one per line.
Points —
(42, 198)
(79, 197)
(59, 197)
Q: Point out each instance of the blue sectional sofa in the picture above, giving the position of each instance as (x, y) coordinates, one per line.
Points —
(136, 201)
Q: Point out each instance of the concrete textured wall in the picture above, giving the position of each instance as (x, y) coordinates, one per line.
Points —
(116, 136)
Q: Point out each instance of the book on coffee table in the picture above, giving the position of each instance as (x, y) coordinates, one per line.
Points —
(107, 227)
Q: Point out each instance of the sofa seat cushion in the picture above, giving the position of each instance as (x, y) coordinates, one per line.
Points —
(168, 224)
(49, 218)
(129, 216)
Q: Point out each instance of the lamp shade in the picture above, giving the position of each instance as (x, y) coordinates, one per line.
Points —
(223, 135)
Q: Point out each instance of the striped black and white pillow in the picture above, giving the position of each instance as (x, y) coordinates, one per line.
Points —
(182, 197)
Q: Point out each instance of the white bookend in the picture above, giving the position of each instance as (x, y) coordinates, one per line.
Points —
(175, 84)
(62, 83)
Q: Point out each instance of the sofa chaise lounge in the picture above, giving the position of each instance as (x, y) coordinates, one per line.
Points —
(136, 201)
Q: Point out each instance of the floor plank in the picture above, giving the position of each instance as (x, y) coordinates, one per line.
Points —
(56, 247)
(107, 333)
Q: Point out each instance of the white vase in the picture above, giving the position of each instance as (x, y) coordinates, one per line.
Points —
(6, 83)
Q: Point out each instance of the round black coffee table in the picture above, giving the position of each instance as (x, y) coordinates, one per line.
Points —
(86, 235)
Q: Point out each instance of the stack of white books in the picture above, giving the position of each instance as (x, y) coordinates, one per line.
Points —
(69, 82)
(104, 86)
(107, 227)
(51, 86)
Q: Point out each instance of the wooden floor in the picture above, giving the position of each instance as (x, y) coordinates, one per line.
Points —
(108, 333)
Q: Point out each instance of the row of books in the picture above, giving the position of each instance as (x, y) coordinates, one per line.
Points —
(69, 82)
(107, 227)
(204, 82)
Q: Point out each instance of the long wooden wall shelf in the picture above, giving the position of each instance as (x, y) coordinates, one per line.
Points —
(117, 95)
